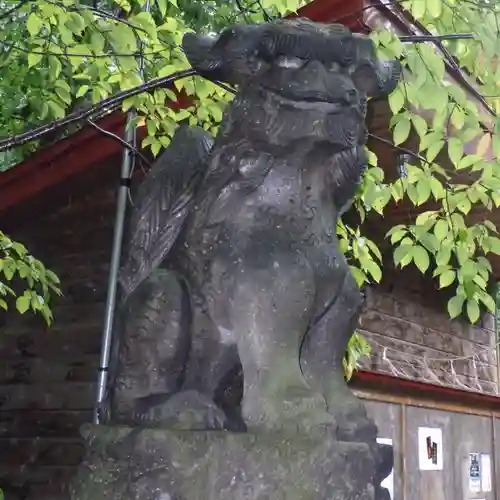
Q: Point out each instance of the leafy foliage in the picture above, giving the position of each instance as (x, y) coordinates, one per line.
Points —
(455, 168)
(39, 282)
(60, 55)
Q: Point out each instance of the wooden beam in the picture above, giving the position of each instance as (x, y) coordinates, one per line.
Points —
(375, 386)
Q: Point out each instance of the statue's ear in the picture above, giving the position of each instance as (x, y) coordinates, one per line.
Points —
(377, 79)
(207, 54)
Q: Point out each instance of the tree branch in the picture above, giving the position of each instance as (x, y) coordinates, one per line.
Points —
(117, 138)
(100, 109)
(109, 104)
(435, 38)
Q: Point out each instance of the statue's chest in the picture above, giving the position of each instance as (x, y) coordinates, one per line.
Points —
(293, 198)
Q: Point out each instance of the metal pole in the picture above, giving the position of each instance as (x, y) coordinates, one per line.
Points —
(121, 208)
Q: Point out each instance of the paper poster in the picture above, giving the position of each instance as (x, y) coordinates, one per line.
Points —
(485, 467)
(430, 448)
(474, 470)
(388, 482)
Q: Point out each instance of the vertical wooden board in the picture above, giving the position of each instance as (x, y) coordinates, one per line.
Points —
(471, 434)
(432, 484)
(387, 416)
(496, 447)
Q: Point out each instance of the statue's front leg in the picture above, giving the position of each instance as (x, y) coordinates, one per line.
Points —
(321, 361)
(153, 346)
(155, 350)
(273, 293)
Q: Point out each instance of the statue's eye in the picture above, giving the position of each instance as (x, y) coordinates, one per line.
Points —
(290, 62)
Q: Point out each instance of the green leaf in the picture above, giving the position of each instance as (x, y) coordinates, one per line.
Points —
(432, 60)
(402, 130)
(57, 110)
(433, 150)
(488, 301)
(398, 236)
(55, 67)
(437, 188)
(420, 125)
(455, 305)
(23, 303)
(457, 118)
(455, 150)
(473, 310)
(402, 253)
(434, 8)
(170, 25)
(494, 244)
(423, 191)
(418, 8)
(82, 91)
(421, 258)
(162, 6)
(396, 100)
(359, 275)
(468, 161)
(63, 94)
(34, 59)
(441, 229)
(468, 270)
(373, 268)
(34, 24)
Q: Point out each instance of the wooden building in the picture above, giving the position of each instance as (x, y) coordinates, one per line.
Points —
(425, 372)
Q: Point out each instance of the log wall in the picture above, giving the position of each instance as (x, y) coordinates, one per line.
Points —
(47, 376)
(408, 327)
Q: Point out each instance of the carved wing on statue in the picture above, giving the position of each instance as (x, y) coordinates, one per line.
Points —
(162, 203)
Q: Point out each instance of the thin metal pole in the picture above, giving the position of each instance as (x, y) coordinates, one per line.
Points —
(109, 313)
(121, 208)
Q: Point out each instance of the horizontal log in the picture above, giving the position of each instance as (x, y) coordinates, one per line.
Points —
(60, 342)
(65, 396)
(65, 314)
(413, 373)
(13, 476)
(40, 452)
(424, 363)
(426, 317)
(43, 423)
(22, 370)
(443, 343)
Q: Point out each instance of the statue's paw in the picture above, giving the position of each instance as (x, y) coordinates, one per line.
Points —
(187, 410)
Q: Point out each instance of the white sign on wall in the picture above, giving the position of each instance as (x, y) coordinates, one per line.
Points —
(430, 448)
(474, 473)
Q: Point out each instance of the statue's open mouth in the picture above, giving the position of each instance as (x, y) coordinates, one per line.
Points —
(306, 100)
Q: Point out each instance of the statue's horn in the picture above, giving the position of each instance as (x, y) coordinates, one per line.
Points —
(202, 54)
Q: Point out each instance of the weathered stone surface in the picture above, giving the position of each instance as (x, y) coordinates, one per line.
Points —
(131, 464)
(233, 277)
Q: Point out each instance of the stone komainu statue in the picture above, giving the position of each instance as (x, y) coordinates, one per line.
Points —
(232, 262)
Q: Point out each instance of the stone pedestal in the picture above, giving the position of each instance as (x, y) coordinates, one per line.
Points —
(152, 464)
